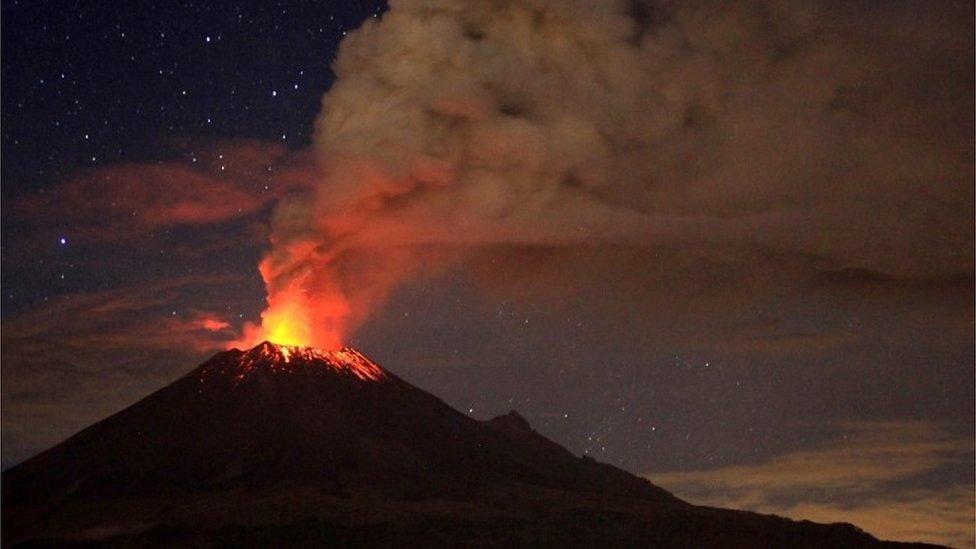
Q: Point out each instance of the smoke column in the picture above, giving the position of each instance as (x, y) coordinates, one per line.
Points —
(455, 125)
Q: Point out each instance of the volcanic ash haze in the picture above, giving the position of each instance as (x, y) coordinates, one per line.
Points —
(458, 128)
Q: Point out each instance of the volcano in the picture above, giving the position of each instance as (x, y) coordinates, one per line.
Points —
(294, 446)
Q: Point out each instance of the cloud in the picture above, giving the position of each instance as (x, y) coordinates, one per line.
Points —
(149, 314)
(75, 358)
(212, 184)
(204, 209)
(882, 477)
(207, 322)
(783, 130)
(90, 341)
(936, 516)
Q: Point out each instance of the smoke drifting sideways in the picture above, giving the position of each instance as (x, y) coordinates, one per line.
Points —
(788, 128)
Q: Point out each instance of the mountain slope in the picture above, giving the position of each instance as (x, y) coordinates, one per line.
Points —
(294, 445)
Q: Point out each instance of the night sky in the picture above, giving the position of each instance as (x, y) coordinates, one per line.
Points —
(728, 247)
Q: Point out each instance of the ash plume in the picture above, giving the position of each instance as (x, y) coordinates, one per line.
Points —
(776, 128)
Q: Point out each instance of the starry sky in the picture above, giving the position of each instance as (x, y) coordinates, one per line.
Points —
(730, 248)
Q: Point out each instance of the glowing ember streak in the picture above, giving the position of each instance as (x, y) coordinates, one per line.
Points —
(345, 360)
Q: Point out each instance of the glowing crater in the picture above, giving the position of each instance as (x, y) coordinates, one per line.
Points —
(285, 359)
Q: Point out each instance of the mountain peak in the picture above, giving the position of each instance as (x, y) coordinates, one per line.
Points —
(512, 421)
(280, 358)
(335, 451)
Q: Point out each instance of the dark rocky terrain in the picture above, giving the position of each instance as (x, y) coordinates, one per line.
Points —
(295, 447)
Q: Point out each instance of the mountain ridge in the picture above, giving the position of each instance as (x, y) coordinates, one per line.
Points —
(339, 441)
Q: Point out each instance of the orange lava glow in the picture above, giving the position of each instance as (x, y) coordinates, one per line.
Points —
(283, 357)
(287, 324)
(286, 360)
(298, 317)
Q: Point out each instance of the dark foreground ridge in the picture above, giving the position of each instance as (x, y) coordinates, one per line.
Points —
(293, 447)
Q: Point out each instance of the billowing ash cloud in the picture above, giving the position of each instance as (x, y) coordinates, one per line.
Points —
(829, 131)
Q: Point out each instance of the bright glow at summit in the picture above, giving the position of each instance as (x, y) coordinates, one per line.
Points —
(287, 358)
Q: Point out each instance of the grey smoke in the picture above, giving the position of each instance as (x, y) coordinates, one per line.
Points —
(839, 132)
